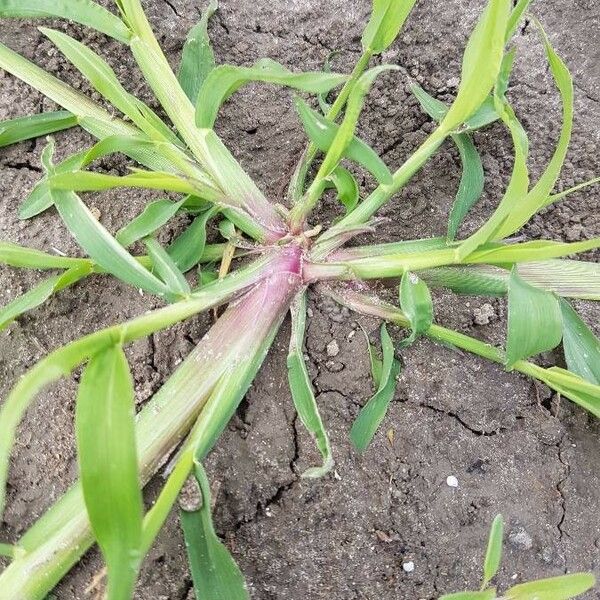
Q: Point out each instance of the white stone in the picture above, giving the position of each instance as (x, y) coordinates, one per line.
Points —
(451, 481)
(408, 566)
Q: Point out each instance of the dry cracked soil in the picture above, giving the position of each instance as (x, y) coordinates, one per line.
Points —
(513, 446)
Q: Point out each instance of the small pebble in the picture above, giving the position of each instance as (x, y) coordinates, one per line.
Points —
(521, 539)
(332, 348)
(408, 566)
(483, 315)
(451, 481)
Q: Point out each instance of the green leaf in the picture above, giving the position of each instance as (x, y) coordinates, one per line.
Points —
(106, 446)
(103, 78)
(482, 60)
(570, 385)
(555, 588)
(437, 110)
(416, 304)
(515, 17)
(187, 249)
(472, 179)
(164, 266)
(215, 573)
(344, 135)
(9, 550)
(224, 80)
(101, 246)
(323, 104)
(471, 183)
(81, 11)
(347, 188)
(373, 412)
(472, 280)
(569, 278)
(198, 58)
(302, 391)
(493, 555)
(387, 19)
(581, 346)
(152, 218)
(482, 595)
(526, 207)
(375, 361)
(40, 293)
(323, 132)
(29, 258)
(529, 251)
(88, 181)
(534, 321)
(26, 128)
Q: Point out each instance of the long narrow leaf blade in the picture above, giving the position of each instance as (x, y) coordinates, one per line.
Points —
(223, 81)
(40, 293)
(481, 63)
(187, 249)
(387, 19)
(26, 128)
(416, 303)
(373, 412)
(555, 588)
(164, 266)
(152, 218)
(493, 554)
(106, 447)
(85, 12)
(215, 573)
(302, 392)
(323, 132)
(101, 246)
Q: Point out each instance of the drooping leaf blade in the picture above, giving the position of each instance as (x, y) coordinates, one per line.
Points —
(373, 412)
(346, 186)
(198, 58)
(153, 217)
(523, 210)
(107, 454)
(26, 128)
(85, 12)
(345, 132)
(493, 554)
(37, 295)
(471, 183)
(323, 132)
(555, 588)
(224, 80)
(534, 320)
(164, 266)
(101, 246)
(581, 346)
(302, 391)
(215, 573)
(387, 19)
(482, 60)
(103, 78)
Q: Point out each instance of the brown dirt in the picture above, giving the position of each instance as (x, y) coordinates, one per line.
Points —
(514, 447)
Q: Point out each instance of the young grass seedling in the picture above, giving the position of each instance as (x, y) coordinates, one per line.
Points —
(562, 587)
(269, 256)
